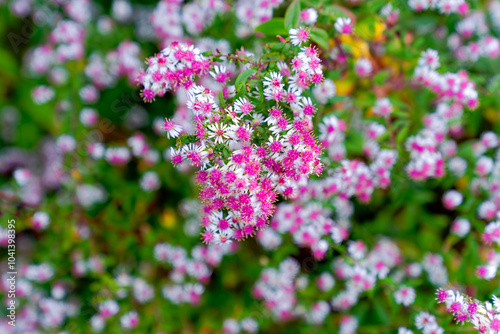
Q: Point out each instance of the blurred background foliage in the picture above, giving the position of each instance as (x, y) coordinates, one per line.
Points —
(126, 227)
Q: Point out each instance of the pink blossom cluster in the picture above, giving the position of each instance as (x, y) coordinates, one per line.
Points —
(39, 310)
(429, 148)
(174, 67)
(450, 87)
(170, 17)
(246, 325)
(124, 61)
(280, 289)
(308, 223)
(362, 270)
(354, 177)
(68, 39)
(443, 6)
(33, 183)
(435, 268)
(488, 271)
(463, 44)
(198, 267)
(136, 288)
(484, 316)
(85, 266)
(277, 287)
(252, 14)
(426, 322)
(245, 181)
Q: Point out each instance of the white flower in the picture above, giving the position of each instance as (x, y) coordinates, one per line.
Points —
(324, 91)
(343, 25)
(460, 227)
(173, 130)
(309, 16)
(429, 58)
(383, 107)
(404, 330)
(405, 295)
(219, 132)
(130, 320)
(298, 36)
(150, 181)
(363, 67)
(40, 220)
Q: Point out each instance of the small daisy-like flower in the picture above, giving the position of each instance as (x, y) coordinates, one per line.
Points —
(363, 67)
(460, 227)
(243, 106)
(383, 107)
(108, 308)
(343, 25)
(175, 156)
(429, 58)
(42, 94)
(306, 106)
(197, 154)
(274, 80)
(404, 330)
(173, 130)
(130, 320)
(241, 132)
(40, 220)
(309, 16)
(487, 272)
(218, 132)
(150, 181)
(452, 199)
(257, 119)
(298, 36)
(496, 303)
(405, 295)
(357, 249)
(219, 74)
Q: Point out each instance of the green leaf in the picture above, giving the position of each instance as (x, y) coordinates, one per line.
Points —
(381, 77)
(242, 79)
(222, 101)
(335, 11)
(402, 134)
(366, 27)
(320, 37)
(8, 64)
(274, 27)
(207, 53)
(278, 46)
(292, 15)
(273, 56)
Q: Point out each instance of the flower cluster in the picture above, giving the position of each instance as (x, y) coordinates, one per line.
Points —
(241, 173)
(198, 268)
(174, 67)
(443, 6)
(484, 316)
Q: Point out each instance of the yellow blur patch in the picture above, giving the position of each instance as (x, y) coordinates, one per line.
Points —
(344, 86)
(168, 218)
(379, 30)
(359, 47)
(491, 115)
(387, 61)
(371, 28)
(462, 183)
(75, 174)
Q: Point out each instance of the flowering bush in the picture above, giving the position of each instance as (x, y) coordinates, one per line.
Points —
(272, 166)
